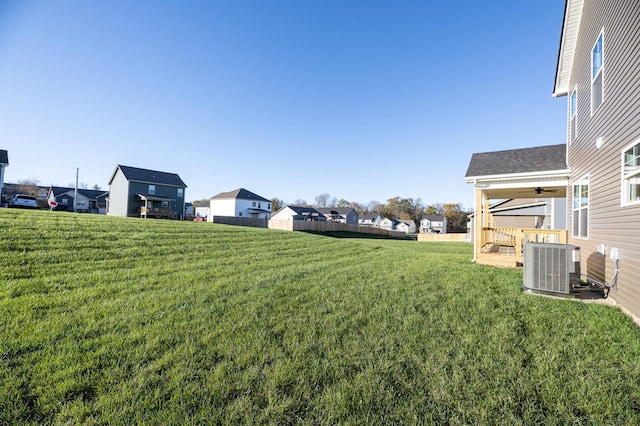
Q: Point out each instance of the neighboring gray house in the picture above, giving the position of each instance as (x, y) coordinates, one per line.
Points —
(239, 203)
(145, 193)
(347, 215)
(4, 162)
(299, 213)
(434, 224)
(89, 200)
(371, 220)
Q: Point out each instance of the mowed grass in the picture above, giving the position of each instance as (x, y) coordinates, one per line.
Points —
(127, 321)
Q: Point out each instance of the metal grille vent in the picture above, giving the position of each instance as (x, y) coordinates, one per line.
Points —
(546, 267)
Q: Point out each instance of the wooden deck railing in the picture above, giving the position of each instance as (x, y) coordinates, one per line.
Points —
(156, 212)
(516, 237)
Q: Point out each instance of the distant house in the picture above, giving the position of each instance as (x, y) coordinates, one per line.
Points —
(371, 220)
(387, 223)
(299, 213)
(407, 226)
(145, 193)
(188, 209)
(89, 200)
(433, 225)
(239, 203)
(202, 212)
(4, 162)
(347, 215)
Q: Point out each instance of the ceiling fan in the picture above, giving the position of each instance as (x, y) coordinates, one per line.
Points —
(539, 191)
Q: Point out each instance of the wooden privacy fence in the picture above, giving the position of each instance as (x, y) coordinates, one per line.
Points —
(241, 221)
(466, 238)
(307, 226)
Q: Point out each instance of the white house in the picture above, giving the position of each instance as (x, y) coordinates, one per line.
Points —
(202, 212)
(239, 203)
(370, 220)
(407, 226)
(299, 213)
(433, 225)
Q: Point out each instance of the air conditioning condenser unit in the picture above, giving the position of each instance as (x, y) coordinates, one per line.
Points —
(548, 267)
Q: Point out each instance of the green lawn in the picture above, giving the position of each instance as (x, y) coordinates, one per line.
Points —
(123, 321)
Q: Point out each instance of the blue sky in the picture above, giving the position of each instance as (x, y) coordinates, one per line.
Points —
(364, 100)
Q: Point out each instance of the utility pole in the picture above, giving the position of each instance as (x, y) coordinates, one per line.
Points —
(75, 195)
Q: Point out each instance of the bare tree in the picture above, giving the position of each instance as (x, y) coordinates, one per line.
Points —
(300, 202)
(29, 186)
(200, 203)
(322, 200)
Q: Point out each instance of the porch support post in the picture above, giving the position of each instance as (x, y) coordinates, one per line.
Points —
(478, 225)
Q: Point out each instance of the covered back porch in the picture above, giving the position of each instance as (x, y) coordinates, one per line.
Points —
(532, 173)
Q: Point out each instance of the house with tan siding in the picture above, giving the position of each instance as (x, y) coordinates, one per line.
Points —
(597, 74)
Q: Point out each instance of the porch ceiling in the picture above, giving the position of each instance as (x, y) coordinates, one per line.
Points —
(537, 191)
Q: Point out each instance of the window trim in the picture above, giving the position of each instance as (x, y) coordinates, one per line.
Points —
(624, 190)
(579, 182)
(599, 74)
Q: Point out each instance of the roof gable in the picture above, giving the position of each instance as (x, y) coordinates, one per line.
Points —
(568, 41)
(335, 210)
(239, 194)
(514, 161)
(136, 174)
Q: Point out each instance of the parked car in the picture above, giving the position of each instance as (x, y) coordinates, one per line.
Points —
(62, 208)
(24, 201)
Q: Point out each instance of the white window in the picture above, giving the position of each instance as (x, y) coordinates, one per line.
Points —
(573, 109)
(180, 192)
(580, 208)
(631, 174)
(597, 64)
(253, 204)
(165, 204)
(152, 189)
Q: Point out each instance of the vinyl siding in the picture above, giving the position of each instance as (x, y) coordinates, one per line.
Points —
(118, 193)
(617, 121)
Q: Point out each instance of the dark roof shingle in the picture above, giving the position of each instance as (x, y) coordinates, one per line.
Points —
(239, 194)
(523, 160)
(150, 176)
